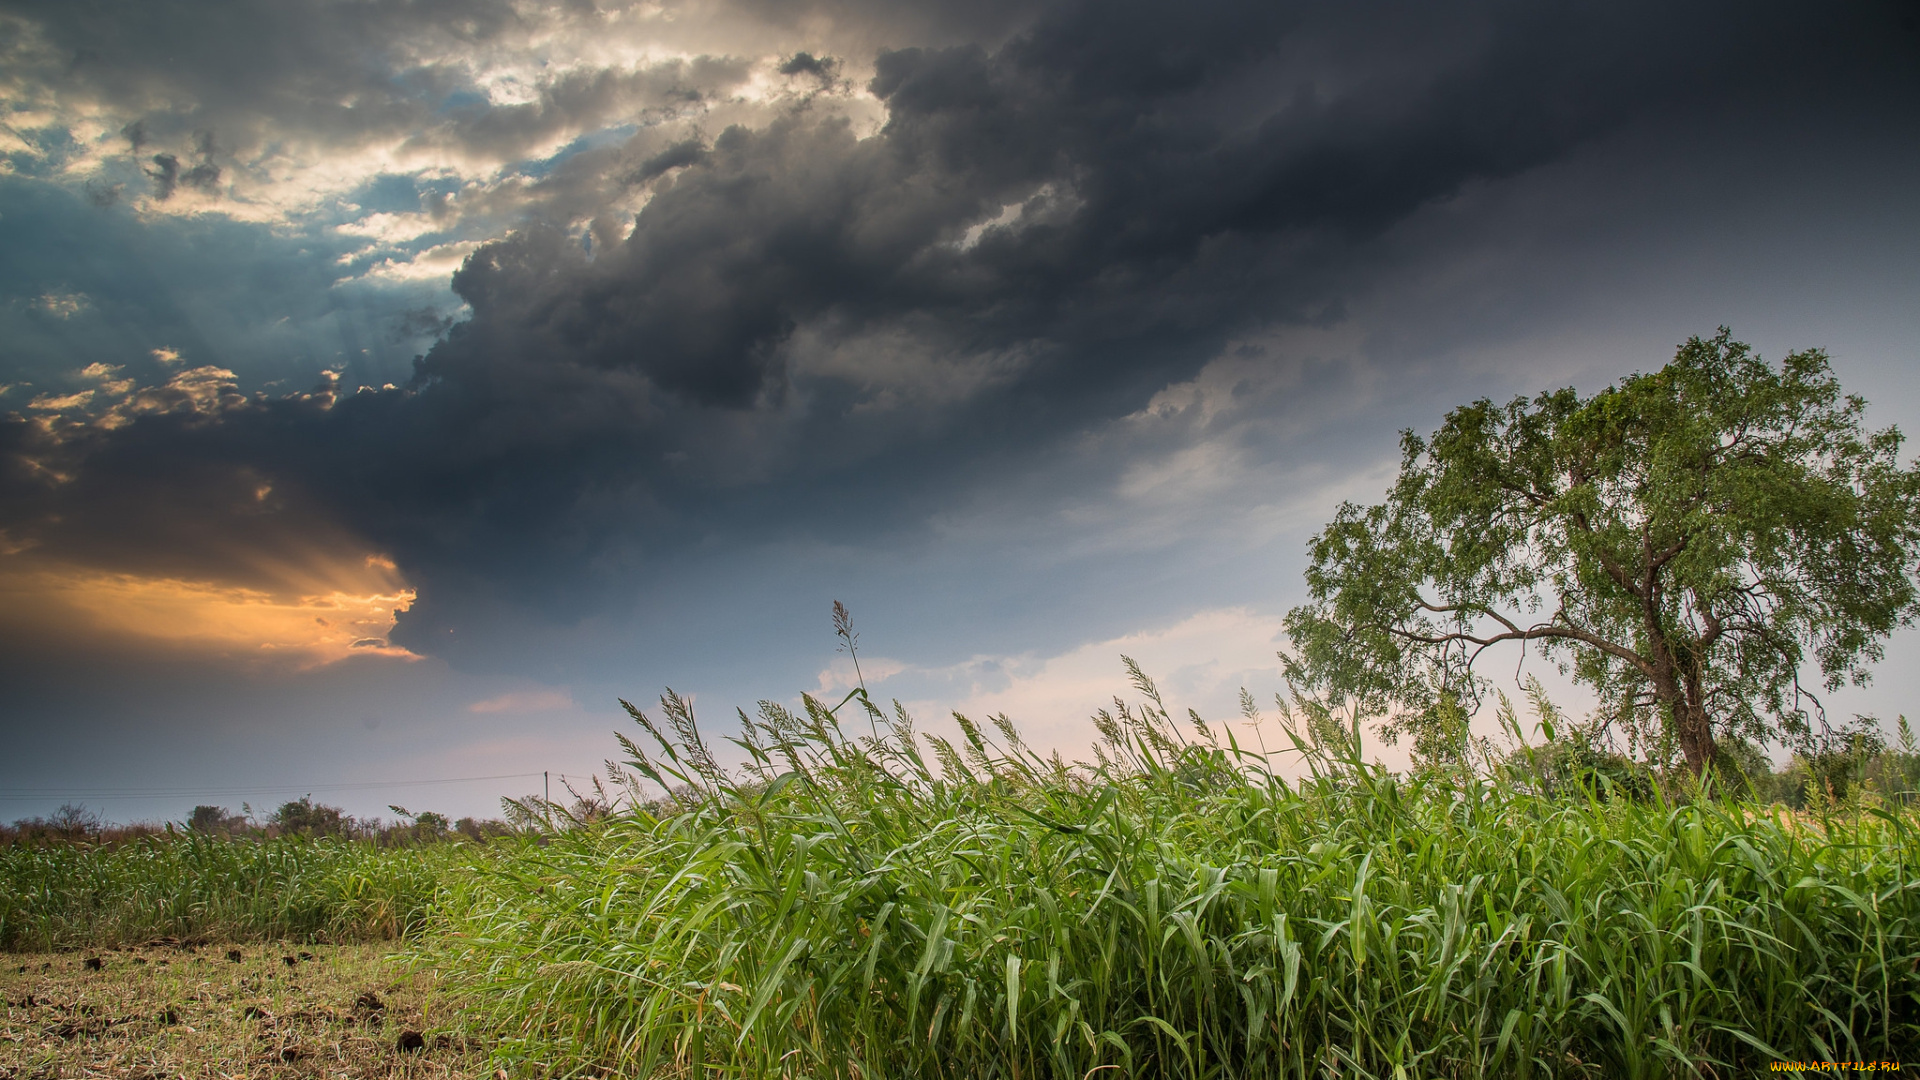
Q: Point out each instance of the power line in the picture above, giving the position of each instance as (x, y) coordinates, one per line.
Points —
(125, 793)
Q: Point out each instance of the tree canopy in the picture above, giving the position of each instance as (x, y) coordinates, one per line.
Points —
(1691, 543)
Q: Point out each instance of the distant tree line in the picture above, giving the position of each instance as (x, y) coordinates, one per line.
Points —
(75, 823)
(304, 817)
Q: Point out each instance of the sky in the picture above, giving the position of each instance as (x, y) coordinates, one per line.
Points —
(387, 387)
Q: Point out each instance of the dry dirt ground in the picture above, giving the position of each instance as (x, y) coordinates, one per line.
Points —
(183, 1012)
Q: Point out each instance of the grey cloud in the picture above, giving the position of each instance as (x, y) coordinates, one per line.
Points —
(205, 174)
(678, 156)
(165, 175)
(421, 322)
(805, 63)
(821, 68)
(883, 23)
(1176, 217)
(158, 497)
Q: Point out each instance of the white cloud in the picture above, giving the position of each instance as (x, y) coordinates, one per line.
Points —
(62, 305)
(434, 263)
(104, 375)
(50, 403)
(390, 228)
(843, 674)
(525, 701)
(1200, 662)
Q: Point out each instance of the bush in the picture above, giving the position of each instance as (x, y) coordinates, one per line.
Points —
(308, 818)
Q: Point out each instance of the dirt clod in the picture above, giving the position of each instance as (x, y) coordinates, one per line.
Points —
(410, 1042)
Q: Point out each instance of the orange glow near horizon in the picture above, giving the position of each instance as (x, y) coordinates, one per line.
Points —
(346, 610)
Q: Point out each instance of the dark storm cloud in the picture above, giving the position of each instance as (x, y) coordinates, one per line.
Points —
(166, 174)
(805, 322)
(163, 497)
(1161, 205)
(678, 156)
(822, 68)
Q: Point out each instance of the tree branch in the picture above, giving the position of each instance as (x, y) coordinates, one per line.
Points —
(1532, 633)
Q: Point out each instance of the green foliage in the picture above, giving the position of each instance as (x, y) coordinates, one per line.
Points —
(308, 818)
(482, 829)
(846, 907)
(215, 820)
(1576, 761)
(1686, 541)
(1849, 767)
(1895, 772)
(191, 885)
(429, 827)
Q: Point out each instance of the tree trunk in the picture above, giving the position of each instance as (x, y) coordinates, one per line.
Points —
(1676, 685)
(1695, 733)
(1695, 727)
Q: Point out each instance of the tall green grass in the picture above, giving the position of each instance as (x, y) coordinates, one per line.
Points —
(194, 886)
(852, 909)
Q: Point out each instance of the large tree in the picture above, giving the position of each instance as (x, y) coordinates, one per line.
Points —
(1691, 543)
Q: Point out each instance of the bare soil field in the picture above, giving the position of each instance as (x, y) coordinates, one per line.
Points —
(164, 1010)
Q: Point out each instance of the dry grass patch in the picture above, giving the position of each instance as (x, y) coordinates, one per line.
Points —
(160, 1012)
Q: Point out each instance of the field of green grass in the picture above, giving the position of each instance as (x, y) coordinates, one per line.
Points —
(875, 903)
(187, 886)
(854, 910)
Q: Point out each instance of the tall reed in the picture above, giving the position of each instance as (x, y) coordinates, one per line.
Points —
(846, 908)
